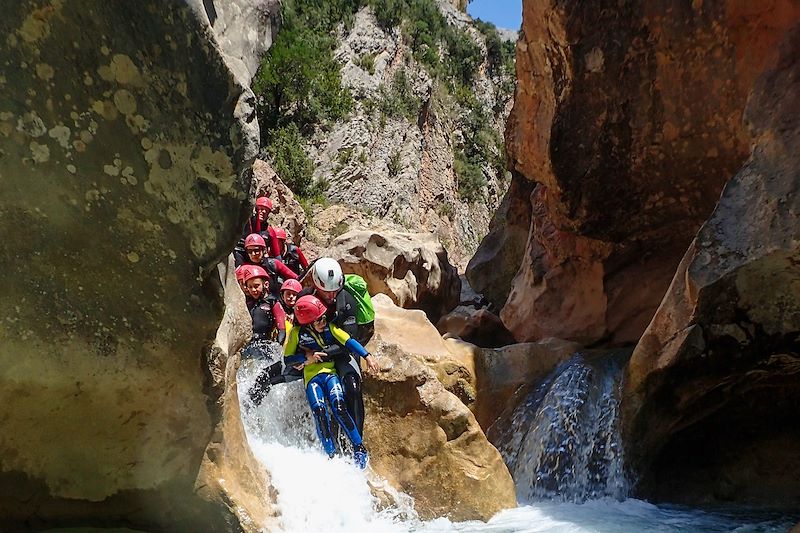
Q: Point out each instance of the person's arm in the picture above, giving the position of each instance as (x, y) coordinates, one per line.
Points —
(283, 270)
(273, 244)
(345, 316)
(354, 346)
(280, 321)
(302, 258)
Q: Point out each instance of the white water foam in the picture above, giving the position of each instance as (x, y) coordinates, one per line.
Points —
(317, 494)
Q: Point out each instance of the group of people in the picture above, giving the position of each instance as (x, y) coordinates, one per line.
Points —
(323, 327)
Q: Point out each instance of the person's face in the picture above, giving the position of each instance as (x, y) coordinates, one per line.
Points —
(255, 287)
(290, 297)
(262, 213)
(327, 296)
(319, 324)
(255, 254)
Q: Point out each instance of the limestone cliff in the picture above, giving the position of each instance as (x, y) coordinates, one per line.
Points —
(125, 129)
(399, 166)
(712, 390)
(626, 125)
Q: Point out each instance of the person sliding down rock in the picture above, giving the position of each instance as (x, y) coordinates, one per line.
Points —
(344, 310)
(257, 223)
(256, 249)
(269, 326)
(308, 343)
(291, 255)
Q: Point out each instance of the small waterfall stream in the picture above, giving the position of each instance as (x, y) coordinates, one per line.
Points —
(560, 444)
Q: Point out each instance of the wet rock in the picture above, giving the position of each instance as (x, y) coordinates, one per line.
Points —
(422, 438)
(411, 268)
(712, 389)
(124, 140)
(501, 372)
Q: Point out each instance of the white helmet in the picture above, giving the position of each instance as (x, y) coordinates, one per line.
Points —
(327, 274)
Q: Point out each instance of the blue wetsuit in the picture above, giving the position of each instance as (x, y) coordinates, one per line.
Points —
(321, 380)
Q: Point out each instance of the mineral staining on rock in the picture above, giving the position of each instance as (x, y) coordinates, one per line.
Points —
(119, 188)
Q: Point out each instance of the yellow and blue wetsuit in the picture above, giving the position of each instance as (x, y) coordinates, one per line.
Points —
(321, 380)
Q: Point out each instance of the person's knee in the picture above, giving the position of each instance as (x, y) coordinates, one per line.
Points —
(352, 384)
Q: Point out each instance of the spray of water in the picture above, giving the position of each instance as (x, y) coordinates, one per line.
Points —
(562, 442)
(314, 493)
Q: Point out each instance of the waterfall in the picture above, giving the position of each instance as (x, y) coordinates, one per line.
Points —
(314, 493)
(562, 441)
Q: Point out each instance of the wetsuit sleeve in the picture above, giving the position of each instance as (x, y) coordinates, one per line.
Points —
(280, 316)
(275, 250)
(290, 356)
(284, 271)
(302, 258)
(348, 342)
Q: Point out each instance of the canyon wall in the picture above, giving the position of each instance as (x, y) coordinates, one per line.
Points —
(125, 131)
(627, 135)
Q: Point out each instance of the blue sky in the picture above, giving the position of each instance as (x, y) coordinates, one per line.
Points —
(503, 13)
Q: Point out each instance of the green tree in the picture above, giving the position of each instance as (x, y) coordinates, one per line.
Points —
(289, 159)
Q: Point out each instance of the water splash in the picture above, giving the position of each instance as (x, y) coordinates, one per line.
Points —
(562, 440)
(314, 493)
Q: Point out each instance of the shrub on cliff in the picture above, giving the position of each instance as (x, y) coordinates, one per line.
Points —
(289, 159)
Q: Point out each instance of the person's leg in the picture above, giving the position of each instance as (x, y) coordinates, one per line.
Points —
(350, 376)
(335, 394)
(315, 394)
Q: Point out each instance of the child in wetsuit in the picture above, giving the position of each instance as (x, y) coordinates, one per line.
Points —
(309, 342)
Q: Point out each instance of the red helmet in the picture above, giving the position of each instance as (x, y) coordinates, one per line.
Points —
(309, 308)
(241, 270)
(280, 233)
(263, 201)
(254, 271)
(291, 285)
(254, 240)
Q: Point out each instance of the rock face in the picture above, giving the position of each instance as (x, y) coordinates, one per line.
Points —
(400, 168)
(712, 389)
(476, 326)
(629, 141)
(421, 437)
(411, 268)
(124, 135)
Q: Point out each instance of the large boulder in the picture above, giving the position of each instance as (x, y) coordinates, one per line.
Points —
(411, 268)
(422, 438)
(629, 122)
(475, 325)
(711, 396)
(125, 136)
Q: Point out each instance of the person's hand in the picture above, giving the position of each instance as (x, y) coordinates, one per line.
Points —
(314, 357)
(299, 367)
(372, 364)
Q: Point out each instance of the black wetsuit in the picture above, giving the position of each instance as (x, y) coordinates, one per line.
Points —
(294, 259)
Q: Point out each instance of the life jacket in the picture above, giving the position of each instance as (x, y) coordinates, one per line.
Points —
(263, 317)
(357, 288)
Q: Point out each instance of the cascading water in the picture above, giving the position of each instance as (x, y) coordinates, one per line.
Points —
(564, 450)
(562, 442)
